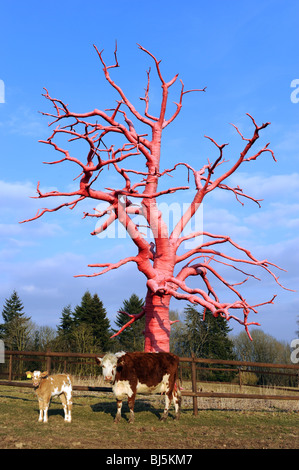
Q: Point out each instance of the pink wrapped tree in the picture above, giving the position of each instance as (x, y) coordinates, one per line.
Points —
(161, 258)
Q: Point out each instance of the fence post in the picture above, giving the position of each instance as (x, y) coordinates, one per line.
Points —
(193, 379)
(240, 378)
(48, 362)
(10, 368)
(181, 372)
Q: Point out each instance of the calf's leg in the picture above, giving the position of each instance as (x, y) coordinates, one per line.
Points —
(46, 404)
(67, 407)
(41, 409)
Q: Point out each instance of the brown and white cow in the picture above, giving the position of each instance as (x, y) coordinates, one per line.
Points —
(139, 372)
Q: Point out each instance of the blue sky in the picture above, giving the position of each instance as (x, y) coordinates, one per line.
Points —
(245, 53)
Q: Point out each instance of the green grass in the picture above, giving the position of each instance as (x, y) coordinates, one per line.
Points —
(93, 425)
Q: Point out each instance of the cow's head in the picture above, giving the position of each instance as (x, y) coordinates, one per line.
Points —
(108, 363)
(36, 377)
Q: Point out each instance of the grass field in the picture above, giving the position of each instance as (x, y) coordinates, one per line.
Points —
(222, 427)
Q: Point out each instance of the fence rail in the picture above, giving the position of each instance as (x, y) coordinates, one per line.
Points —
(239, 367)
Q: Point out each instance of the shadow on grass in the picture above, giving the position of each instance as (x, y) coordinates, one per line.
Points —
(140, 406)
(17, 398)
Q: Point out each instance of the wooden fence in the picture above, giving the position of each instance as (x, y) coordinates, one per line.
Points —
(49, 359)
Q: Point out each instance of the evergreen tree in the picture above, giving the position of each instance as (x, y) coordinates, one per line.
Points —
(100, 323)
(91, 312)
(132, 338)
(17, 327)
(178, 330)
(12, 309)
(206, 336)
(67, 320)
(64, 338)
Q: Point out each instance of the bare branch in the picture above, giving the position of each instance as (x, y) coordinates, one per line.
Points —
(108, 266)
(146, 98)
(119, 90)
(179, 104)
(130, 322)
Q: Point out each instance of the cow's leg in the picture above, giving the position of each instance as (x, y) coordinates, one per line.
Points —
(167, 402)
(131, 403)
(118, 413)
(176, 395)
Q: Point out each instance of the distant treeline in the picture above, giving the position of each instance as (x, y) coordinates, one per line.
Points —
(86, 329)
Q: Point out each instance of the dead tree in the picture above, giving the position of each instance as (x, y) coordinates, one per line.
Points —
(161, 260)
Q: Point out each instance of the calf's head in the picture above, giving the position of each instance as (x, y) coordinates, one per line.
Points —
(36, 377)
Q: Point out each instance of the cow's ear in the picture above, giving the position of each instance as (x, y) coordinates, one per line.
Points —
(44, 374)
(98, 360)
(120, 353)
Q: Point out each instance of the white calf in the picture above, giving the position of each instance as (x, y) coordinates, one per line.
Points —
(47, 386)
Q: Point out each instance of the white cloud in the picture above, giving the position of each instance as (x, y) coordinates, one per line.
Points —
(25, 122)
(223, 222)
(15, 195)
(263, 186)
(284, 215)
(289, 144)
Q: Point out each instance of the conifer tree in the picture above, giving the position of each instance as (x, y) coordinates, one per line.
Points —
(82, 311)
(132, 338)
(12, 308)
(91, 312)
(100, 323)
(206, 336)
(66, 320)
(64, 340)
(16, 327)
